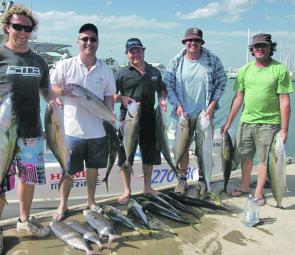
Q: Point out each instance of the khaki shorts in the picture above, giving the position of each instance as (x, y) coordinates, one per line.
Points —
(252, 138)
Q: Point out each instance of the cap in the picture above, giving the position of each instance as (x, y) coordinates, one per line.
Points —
(88, 26)
(261, 38)
(193, 33)
(133, 43)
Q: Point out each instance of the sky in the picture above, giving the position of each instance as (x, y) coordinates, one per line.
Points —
(161, 25)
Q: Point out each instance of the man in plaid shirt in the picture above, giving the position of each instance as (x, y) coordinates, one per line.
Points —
(195, 81)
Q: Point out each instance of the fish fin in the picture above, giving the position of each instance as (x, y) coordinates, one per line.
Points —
(65, 176)
(3, 199)
(106, 182)
(143, 231)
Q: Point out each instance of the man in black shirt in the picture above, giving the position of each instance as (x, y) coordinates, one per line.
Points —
(23, 74)
(140, 81)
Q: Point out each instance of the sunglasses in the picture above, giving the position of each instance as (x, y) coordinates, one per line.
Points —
(193, 40)
(20, 27)
(260, 45)
(86, 39)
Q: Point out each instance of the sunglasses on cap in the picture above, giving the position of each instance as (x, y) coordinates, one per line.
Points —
(20, 27)
(86, 39)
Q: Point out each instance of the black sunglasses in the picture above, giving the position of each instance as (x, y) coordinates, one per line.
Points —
(193, 40)
(86, 39)
(20, 27)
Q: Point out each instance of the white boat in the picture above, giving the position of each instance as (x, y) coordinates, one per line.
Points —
(162, 176)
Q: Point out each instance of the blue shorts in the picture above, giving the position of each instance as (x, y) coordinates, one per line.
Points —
(28, 163)
(93, 151)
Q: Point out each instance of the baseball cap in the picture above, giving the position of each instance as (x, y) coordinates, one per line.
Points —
(88, 26)
(133, 43)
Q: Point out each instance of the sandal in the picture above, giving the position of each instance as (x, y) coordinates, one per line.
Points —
(261, 201)
(96, 208)
(239, 193)
(59, 215)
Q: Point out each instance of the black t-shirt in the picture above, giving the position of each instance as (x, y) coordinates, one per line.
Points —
(24, 74)
(142, 88)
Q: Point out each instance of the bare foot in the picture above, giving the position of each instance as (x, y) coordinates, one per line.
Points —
(151, 191)
(123, 199)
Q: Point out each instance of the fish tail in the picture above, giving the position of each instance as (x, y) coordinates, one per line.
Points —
(223, 191)
(111, 239)
(106, 182)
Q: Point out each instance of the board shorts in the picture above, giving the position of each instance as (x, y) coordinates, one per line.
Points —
(28, 164)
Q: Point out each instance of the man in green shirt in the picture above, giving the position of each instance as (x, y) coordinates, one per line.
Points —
(263, 85)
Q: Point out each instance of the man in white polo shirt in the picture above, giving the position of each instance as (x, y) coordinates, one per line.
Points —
(85, 135)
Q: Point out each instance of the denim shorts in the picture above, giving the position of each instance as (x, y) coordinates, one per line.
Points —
(28, 164)
(252, 138)
(93, 151)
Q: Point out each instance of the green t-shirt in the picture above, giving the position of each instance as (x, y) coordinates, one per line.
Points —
(262, 87)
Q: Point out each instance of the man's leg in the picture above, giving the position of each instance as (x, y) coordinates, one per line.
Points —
(26, 222)
(2, 204)
(91, 179)
(183, 164)
(126, 179)
(246, 147)
(246, 166)
(25, 196)
(261, 179)
(147, 172)
(65, 190)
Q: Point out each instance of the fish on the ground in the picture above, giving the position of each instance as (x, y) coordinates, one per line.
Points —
(203, 149)
(227, 154)
(113, 147)
(135, 209)
(86, 231)
(159, 200)
(180, 206)
(195, 201)
(8, 134)
(276, 168)
(55, 137)
(117, 216)
(94, 104)
(68, 235)
(162, 138)
(155, 208)
(103, 227)
(129, 128)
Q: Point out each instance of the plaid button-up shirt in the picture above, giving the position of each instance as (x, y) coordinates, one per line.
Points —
(215, 79)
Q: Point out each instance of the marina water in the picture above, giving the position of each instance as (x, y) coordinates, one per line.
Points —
(222, 113)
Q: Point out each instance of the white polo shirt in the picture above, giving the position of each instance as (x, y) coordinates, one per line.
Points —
(78, 121)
